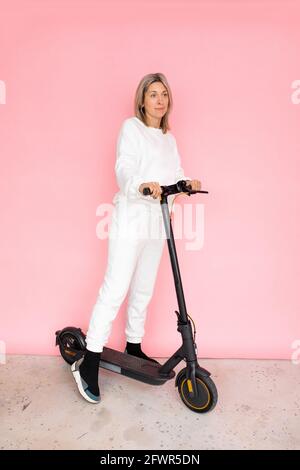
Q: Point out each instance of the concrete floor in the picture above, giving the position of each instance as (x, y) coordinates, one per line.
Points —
(40, 408)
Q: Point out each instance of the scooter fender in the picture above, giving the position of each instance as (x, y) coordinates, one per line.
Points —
(80, 336)
(200, 372)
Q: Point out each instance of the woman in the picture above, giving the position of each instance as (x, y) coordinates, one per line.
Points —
(147, 156)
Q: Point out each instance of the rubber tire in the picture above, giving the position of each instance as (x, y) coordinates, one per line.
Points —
(209, 395)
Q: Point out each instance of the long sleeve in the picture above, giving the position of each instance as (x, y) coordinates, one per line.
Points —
(179, 174)
(126, 167)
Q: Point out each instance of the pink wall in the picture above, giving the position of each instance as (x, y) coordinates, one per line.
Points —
(70, 69)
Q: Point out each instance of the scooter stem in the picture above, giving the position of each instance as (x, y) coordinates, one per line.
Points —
(174, 259)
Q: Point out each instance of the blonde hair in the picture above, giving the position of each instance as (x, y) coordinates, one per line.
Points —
(142, 88)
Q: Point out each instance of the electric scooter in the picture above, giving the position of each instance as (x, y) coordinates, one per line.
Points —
(196, 389)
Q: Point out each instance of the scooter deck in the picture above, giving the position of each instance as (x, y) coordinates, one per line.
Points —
(133, 367)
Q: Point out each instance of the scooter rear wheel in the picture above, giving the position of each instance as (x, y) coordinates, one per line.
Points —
(71, 344)
(207, 394)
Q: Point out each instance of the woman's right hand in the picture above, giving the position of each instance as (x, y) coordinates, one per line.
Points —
(154, 188)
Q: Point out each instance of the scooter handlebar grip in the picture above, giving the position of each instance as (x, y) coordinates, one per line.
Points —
(147, 192)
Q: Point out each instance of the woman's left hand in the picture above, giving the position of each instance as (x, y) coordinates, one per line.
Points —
(196, 184)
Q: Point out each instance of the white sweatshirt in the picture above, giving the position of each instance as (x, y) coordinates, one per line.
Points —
(145, 154)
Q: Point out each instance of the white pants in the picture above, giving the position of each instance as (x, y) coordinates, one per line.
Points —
(135, 245)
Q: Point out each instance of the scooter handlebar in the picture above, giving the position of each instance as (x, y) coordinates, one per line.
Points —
(179, 187)
(147, 192)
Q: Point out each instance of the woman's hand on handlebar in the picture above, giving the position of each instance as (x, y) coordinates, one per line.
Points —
(195, 184)
(154, 188)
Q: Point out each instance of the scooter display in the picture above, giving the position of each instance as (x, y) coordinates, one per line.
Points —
(195, 386)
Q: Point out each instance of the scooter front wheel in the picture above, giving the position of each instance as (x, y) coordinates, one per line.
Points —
(207, 394)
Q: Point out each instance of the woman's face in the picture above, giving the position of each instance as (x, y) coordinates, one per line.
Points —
(156, 100)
